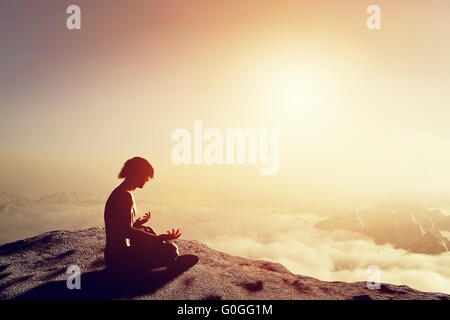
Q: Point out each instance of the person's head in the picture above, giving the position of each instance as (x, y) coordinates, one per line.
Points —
(136, 172)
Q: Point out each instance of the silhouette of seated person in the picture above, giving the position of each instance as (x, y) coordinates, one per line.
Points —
(131, 246)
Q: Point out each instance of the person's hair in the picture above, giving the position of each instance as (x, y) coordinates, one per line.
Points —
(136, 166)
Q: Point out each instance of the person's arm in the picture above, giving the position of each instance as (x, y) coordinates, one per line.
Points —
(140, 234)
(142, 220)
(125, 204)
(131, 233)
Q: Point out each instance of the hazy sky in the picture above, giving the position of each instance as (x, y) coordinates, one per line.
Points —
(361, 113)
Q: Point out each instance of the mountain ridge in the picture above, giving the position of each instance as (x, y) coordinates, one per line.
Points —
(406, 226)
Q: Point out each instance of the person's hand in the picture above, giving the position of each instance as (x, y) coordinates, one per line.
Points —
(170, 235)
(143, 220)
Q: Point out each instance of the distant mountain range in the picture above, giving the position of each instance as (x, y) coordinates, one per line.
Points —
(405, 225)
(10, 200)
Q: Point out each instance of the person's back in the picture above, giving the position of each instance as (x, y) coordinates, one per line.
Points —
(115, 218)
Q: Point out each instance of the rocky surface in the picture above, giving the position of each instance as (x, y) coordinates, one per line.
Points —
(35, 268)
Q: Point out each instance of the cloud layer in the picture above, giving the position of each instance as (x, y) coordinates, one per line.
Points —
(291, 239)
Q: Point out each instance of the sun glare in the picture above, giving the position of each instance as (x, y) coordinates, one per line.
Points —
(294, 93)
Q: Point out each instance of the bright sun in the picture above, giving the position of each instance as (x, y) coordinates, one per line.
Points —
(294, 93)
